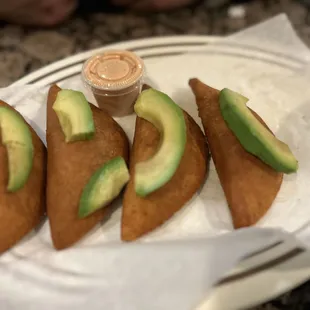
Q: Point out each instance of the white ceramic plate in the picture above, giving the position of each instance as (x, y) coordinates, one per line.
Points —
(263, 275)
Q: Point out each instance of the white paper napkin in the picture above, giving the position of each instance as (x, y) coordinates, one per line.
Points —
(154, 276)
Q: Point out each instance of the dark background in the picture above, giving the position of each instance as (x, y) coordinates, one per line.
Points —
(23, 50)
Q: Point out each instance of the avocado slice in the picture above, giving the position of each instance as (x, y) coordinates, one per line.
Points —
(17, 139)
(104, 186)
(74, 115)
(253, 136)
(160, 110)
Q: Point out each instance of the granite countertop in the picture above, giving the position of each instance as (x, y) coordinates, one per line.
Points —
(23, 50)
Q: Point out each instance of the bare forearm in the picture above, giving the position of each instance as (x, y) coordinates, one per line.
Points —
(52, 12)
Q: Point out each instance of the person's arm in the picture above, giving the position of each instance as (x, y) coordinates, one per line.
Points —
(153, 5)
(53, 12)
(90, 6)
(36, 12)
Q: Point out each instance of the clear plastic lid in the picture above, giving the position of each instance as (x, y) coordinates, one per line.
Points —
(113, 70)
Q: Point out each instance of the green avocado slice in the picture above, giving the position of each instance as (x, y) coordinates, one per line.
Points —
(104, 186)
(253, 136)
(160, 110)
(17, 139)
(74, 115)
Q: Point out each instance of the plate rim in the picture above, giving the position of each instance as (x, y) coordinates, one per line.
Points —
(128, 43)
(181, 40)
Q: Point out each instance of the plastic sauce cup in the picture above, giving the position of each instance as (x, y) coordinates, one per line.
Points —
(115, 78)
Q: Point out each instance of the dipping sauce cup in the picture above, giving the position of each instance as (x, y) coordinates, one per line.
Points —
(115, 78)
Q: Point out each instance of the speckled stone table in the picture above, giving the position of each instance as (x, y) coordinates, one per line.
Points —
(23, 50)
